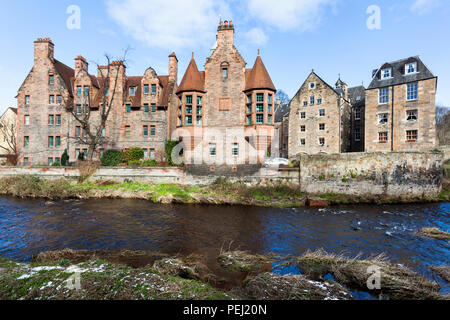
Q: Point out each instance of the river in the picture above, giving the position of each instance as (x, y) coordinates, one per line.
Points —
(28, 227)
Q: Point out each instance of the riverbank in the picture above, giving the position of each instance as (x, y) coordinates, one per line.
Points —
(221, 192)
(61, 275)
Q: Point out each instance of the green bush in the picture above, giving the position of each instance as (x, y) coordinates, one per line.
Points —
(132, 155)
(111, 158)
(134, 163)
(149, 163)
(56, 164)
(169, 148)
(81, 156)
(65, 158)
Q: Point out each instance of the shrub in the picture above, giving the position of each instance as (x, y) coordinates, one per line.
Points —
(134, 163)
(56, 164)
(149, 163)
(170, 145)
(132, 155)
(81, 156)
(64, 158)
(111, 158)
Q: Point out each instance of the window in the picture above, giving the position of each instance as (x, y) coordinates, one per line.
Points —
(302, 142)
(319, 101)
(152, 131)
(78, 108)
(78, 131)
(52, 99)
(212, 149)
(269, 119)
(259, 119)
(26, 120)
(50, 161)
(270, 98)
(51, 79)
(383, 118)
(386, 73)
(86, 109)
(357, 134)
(58, 160)
(153, 89)
(411, 115)
(188, 121)
(235, 150)
(260, 108)
(312, 85)
(322, 126)
(249, 120)
(145, 131)
(51, 141)
(85, 153)
(85, 133)
(382, 137)
(357, 114)
(188, 99)
(128, 108)
(146, 89)
(57, 141)
(302, 128)
(199, 111)
(152, 154)
(153, 108)
(322, 141)
(199, 100)
(51, 120)
(146, 108)
(86, 90)
(58, 99)
(77, 153)
(199, 121)
(322, 113)
(412, 91)
(411, 135)
(249, 109)
(132, 91)
(27, 100)
(127, 131)
(107, 91)
(269, 108)
(145, 153)
(305, 103)
(26, 141)
(303, 115)
(260, 97)
(249, 98)
(411, 68)
(188, 109)
(224, 73)
(312, 100)
(384, 95)
(25, 161)
(79, 89)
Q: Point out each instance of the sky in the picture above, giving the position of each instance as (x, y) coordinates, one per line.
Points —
(349, 38)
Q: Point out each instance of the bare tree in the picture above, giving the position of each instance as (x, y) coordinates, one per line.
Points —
(93, 129)
(8, 130)
(443, 125)
(284, 98)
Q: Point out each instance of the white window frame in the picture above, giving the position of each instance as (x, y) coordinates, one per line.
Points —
(408, 115)
(385, 101)
(322, 144)
(324, 113)
(235, 149)
(416, 91)
(407, 68)
(380, 115)
(312, 85)
(212, 146)
(384, 73)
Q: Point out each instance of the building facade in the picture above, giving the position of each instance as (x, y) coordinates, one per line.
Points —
(319, 119)
(53, 96)
(282, 129)
(357, 99)
(401, 107)
(8, 136)
(225, 113)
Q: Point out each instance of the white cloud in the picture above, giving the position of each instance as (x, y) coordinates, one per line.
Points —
(169, 24)
(256, 36)
(422, 7)
(299, 15)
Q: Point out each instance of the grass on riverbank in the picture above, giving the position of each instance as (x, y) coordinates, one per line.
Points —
(434, 233)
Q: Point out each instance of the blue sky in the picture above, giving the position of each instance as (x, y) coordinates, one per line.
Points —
(295, 36)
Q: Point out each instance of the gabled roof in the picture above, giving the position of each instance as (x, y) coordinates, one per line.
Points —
(193, 79)
(281, 111)
(357, 96)
(398, 73)
(66, 73)
(14, 110)
(258, 77)
(136, 99)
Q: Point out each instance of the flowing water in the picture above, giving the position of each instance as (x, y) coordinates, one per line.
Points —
(28, 227)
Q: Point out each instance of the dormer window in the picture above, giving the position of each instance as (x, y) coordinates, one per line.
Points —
(411, 68)
(386, 73)
(312, 85)
(132, 91)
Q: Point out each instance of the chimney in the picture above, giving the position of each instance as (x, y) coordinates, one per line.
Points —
(80, 65)
(43, 49)
(173, 68)
(225, 33)
(120, 68)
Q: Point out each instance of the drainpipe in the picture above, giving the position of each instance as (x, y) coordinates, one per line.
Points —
(392, 120)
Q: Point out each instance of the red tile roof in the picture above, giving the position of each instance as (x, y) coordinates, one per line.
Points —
(193, 79)
(258, 77)
(66, 73)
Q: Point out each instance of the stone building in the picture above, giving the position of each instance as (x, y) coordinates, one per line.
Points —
(357, 99)
(8, 133)
(401, 107)
(225, 113)
(53, 95)
(282, 129)
(319, 119)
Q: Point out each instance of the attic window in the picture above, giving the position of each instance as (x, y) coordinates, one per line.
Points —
(386, 73)
(411, 68)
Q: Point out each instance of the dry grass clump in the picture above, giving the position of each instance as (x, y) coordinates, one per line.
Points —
(434, 233)
(397, 282)
(87, 169)
(443, 272)
(269, 286)
(242, 261)
(33, 187)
